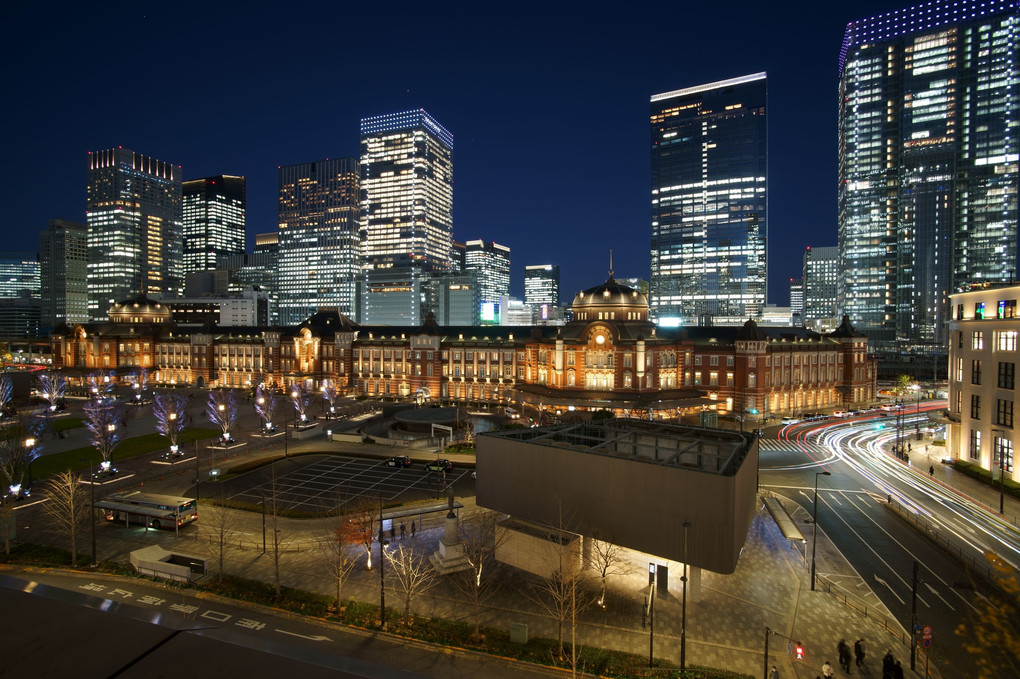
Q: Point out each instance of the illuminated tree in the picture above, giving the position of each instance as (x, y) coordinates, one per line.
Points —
(100, 385)
(20, 443)
(607, 560)
(990, 632)
(412, 573)
(222, 411)
(171, 413)
(68, 507)
(328, 390)
(52, 388)
(358, 528)
(6, 393)
(335, 548)
(140, 382)
(102, 419)
(479, 538)
(299, 398)
(265, 405)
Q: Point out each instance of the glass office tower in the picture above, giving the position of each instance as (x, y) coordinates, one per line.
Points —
(490, 262)
(407, 191)
(542, 284)
(319, 251)
(927, 163)
(63, 273)
(821, 283)
(135, 234)
(214, 220)
(709, 201)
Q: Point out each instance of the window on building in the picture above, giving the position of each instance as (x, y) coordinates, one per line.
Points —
(1006, 308)
(979, 311)
(713, 378)
(1007, 374)
(1004, 412)
(1002, 449)
(959, 370)
(713, 360)
(729, 379)
(977, 340)
(959, 340)
(975, 406)
(975, 372)
(1006, 340)
(752, 381)
(959, 312)
(975, 444)
(697, 360)
(729, 360)
(628, 360)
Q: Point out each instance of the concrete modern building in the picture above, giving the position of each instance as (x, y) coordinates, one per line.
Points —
(319, 255)
(214, 220)
(796, 301)
(19, 275)
(680, 493)
(456, 299)
(709, 201)
(63, 273)
(928, 163)
(821, 285)
(983, 356)
(135, 228)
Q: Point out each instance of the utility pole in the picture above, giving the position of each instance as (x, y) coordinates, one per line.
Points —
(92, 483)
(683, 608)
(382, 577)
(913, 620)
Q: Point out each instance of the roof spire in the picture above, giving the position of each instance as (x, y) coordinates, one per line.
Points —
(610, 265)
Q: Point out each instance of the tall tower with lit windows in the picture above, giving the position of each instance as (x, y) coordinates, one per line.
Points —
(135, 228)
(928, 163)
(709, 201)
(318, 256)
(214, 220)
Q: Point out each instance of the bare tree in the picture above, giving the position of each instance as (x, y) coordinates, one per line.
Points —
(20, 443)
(222, 410)
(100, 385)
(140, 382)
(222, 522)
(329, 393)
(52, 387)
(265, 405)
(68, 507)
(273, 509)
(607, 560)
(335, 548)
(299, 398)
(171, 413)
(358, 528)
(6, 393)
(101, 420)
(413, 574)
(479, 539)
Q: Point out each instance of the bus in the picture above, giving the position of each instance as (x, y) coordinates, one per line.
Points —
(149, 509)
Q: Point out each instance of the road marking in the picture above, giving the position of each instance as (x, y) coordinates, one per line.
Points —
(317, 637)
(891, 590)
(936, 593)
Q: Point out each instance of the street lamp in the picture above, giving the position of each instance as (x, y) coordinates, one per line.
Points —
(29, 444)
(683, 609)
(106, 465)
(1000, 451)
(173, 418)
(917, 411)
(814, 535)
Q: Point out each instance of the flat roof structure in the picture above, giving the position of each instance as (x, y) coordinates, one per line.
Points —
(632, 482)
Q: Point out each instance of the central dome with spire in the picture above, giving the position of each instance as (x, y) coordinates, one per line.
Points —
(610, 301)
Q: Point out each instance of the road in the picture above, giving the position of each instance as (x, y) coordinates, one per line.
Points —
(883, 548)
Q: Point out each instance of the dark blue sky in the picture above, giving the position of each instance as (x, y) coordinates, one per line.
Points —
(547, 102)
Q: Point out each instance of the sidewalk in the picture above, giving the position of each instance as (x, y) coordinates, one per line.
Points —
(725, 628)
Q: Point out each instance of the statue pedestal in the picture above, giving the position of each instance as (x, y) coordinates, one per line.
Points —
(450, 556)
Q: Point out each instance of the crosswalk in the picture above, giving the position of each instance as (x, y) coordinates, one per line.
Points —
(791, 446)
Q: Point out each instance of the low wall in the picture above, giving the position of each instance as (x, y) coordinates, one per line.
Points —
(306, 432)
(537, 549)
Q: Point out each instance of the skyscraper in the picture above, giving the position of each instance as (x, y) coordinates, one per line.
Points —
(821, 283)
(709, 201)
(63, 273)
(134, 228)
(491, 264)
(796, 300)
(319, 256)
(542, 284)
(407, 191)
(214, 220)
(928, 162)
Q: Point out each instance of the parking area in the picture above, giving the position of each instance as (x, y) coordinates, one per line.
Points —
(319, 483)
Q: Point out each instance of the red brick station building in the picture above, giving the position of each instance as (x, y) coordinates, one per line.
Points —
(609, 357)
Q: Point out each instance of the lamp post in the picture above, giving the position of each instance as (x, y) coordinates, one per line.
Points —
(917, 411)
(999, 450)
(683, 607)
(814, 535)
(382, 577)
(92, 483)
(285, 427)
(29, 444)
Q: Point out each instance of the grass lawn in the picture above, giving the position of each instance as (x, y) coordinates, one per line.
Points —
(65, 423)
(80, 458)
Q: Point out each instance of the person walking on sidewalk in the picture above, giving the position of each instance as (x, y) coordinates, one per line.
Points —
(859, 652)
(827, 670)
(774, 673)
(887, 665)
(844, 655)
(412, 529)
(931, 470)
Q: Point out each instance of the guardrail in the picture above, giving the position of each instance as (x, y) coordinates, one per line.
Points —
(882, 617)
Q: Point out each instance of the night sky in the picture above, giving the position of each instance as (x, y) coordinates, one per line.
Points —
(547, 102)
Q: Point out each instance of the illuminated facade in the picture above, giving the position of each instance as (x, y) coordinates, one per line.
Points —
(63, 273)
(406, 191)
(542, 284)
(490, 262)
(709, 201)
(983, 357)
(214, 220)
(19, 275)
(135, 232)
(928, 162)
(319, 252)
(611, 356)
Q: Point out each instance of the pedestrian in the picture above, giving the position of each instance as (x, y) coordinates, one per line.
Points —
(774, 673)
(827, 670)
(859, 652)
(403, 531)
(412, 529)
(909, 448)
(931, 470)
(393, 532)
(844, 655)
(897, 671)
(887, 665)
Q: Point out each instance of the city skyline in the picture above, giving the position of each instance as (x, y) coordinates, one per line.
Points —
(549, 116)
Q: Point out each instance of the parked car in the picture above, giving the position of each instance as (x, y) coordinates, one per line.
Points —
(439, 466)
(399, 461)
(790, 420)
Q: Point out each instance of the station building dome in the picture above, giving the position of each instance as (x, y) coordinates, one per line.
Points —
(139, 310)
(610, 301)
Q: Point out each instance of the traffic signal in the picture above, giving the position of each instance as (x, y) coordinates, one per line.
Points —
(798, 649)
